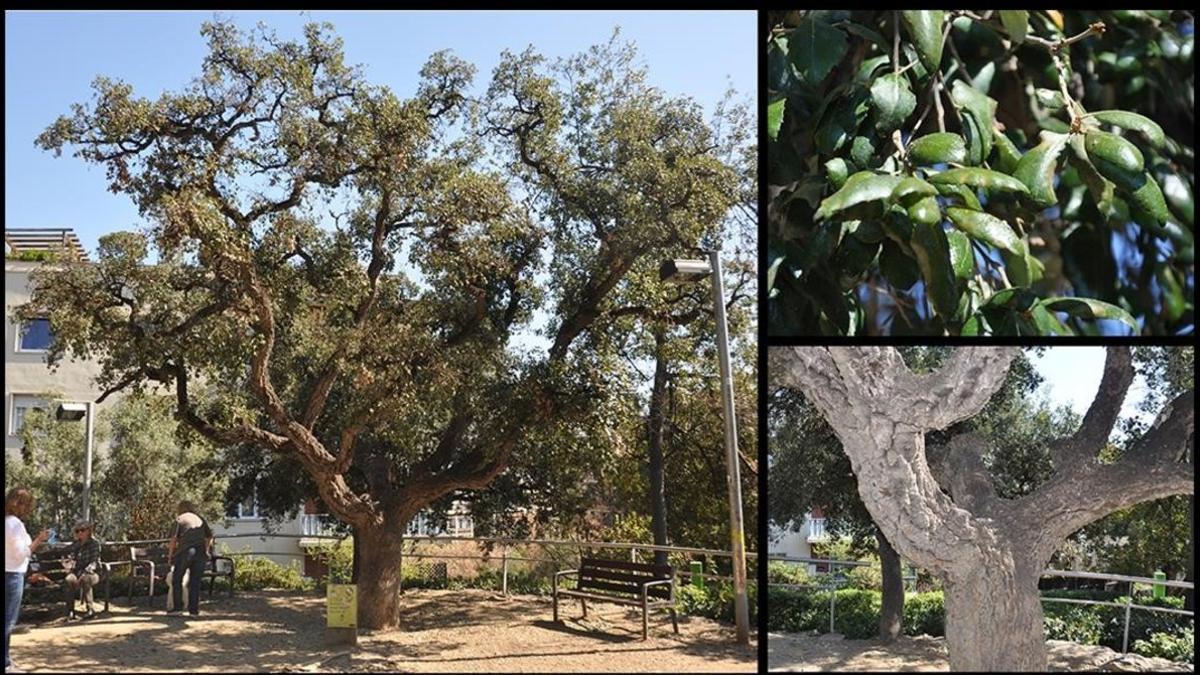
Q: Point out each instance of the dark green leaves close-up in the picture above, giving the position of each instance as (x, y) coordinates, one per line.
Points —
(980, 172)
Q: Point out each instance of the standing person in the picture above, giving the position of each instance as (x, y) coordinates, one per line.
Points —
(84, 561)
(191, 543)
(18, 549)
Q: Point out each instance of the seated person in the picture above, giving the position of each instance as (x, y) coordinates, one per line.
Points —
(82, 562)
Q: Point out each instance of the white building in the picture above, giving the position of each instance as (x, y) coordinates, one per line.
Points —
(28, 382)
(797, 543)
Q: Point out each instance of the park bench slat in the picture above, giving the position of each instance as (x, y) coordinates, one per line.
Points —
(609, 575)
(602, 597)
(631, 589)
(601, 563)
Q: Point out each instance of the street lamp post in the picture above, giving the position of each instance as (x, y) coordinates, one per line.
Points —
(73, 412)
(690, 271)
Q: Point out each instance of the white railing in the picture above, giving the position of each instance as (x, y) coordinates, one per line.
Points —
(816, 530)
(315, 525)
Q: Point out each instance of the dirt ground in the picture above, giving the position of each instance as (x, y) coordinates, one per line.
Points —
(806, 653)
(442, 631)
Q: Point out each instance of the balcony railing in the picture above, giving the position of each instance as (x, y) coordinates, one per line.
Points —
(816, 530)
(316, 525)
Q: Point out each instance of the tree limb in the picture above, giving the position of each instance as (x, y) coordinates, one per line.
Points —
(1093, 432)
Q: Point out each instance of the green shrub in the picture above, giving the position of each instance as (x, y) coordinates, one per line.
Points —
(1075, 623)
(780, 572)
(857, 613)
(786, 609)
(866, 578)
(924, 614)
(338, 557)
(1142, 623)
(256, 573)
(1180, 646)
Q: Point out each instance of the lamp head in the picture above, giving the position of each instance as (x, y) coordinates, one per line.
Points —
(684, 271)
(71, 412)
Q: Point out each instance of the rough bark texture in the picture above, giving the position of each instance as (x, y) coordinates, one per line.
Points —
(988, 551)
(656, 424)
(378, 552)
(891, 611)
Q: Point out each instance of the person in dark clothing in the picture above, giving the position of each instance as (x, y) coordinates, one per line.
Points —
(188, 551)
(83, 564)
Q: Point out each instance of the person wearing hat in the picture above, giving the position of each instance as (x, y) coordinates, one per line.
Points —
(82, 560)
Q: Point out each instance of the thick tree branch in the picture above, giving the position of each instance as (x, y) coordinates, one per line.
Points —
(1084, 444)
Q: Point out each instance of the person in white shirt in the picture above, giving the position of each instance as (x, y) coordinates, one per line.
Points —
(18, 548)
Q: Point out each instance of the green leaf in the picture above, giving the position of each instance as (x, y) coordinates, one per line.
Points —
(1088, 308)
(1179, 196)
(910, 188)
(973, 139)
(815, 48)
(925, 211)
(837, 170)
(776, 262)
(981, 109)
(1050, 99)
(1036, 168)
(932, 250)
(939, 148)
(862, 187)
(964, 195)
(980, 178)
(1023, 269)
(976, 325)
(1098, 186)
(1046, 323)
(1114, 150)
(962, 260)
(924, 28)
(775, 118)
(867, 34)
(862, 151)
(1127, 120)
(987, 228)
(866, 72)
(893, 101)
(1016, 23)
(1006, 154)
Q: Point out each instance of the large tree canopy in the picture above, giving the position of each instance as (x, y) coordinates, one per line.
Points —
(339, 277)
(970, 172)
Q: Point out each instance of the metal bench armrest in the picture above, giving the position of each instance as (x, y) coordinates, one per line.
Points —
(565, 573)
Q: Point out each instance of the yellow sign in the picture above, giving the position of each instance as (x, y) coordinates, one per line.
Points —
(341, 605)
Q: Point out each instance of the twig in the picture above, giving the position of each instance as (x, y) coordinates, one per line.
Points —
(937, 100)
(896, 42)
(1054, 46)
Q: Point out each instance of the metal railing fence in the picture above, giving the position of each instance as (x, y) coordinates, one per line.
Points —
(835, 581)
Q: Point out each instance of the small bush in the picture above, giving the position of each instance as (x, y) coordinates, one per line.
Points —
(780, 572)
(1180, 646)
(857, 613)
(255, 573)
(866, 578)
(924, 614)
(1074, 623)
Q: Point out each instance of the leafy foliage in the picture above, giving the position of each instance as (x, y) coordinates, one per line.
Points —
(1058, 143)
(144, 463)
(388, 301)
(1180, 646)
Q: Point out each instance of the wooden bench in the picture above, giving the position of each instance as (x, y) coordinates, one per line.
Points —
(152, 564)
(49, 563)
(644, 585)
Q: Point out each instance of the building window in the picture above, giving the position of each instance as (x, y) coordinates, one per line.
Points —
(247, 509)
(34, 336)
(22, 405)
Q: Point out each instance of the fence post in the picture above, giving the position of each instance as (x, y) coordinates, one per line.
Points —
(1128, 608)
(633, 555)
(504, 569)
(832, 601)
(697, 574)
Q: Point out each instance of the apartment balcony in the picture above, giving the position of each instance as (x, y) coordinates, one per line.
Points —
(816, 530)
(314, 525)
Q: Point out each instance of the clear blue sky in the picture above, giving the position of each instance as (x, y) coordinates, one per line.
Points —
(1072, 377)
(52, 57)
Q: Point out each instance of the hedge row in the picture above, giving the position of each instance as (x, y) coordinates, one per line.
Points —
(857, 617)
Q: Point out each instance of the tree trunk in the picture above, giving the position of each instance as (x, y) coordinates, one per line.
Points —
(655, 426)
(1189, 595)
(891, 612)
(994, 619)
(378, 551)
